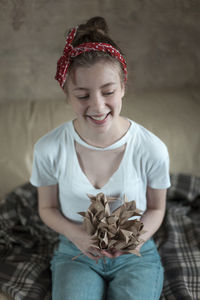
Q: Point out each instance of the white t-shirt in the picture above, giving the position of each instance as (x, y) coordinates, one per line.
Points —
(145, 163)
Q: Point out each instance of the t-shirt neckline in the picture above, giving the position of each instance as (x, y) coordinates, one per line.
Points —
(115, 145)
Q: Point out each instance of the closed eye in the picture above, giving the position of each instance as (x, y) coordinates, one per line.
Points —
(83, 97)
(108, 93)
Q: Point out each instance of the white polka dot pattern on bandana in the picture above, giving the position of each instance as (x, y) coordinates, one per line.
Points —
(70, 51)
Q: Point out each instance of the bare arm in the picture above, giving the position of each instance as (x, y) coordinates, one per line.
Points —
(50, 214)
(154, 214)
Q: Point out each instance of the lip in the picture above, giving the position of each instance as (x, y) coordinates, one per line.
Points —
(96, 121)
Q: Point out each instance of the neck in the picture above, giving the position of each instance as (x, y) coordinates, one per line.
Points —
(103, 139)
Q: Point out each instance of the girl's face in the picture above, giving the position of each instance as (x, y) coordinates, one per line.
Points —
(95, 94)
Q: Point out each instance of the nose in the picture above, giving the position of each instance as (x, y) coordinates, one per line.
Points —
(97, 104)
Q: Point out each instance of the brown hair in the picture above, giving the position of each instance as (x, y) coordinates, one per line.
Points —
(94, 30)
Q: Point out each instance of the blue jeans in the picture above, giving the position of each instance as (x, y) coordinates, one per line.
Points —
(126, 277)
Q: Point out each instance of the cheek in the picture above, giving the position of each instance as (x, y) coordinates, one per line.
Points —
(119, 106)
(77, 107)
(115, 105)
(80, 110)
(117, 102)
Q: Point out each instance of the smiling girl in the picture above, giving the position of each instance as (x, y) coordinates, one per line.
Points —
(99, 151)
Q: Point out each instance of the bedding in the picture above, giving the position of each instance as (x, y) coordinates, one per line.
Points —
(178, 240)
(26, 244)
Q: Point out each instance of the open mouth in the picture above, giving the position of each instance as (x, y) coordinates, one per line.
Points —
(99, 119)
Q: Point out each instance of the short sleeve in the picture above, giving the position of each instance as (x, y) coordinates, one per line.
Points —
(158, 173)
(43, 172)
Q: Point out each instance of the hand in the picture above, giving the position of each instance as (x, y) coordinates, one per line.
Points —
(83, 241)
(113, 253)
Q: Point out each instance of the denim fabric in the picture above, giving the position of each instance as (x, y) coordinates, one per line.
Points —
(126, 277)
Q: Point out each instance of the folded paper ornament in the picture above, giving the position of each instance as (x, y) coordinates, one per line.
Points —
(113, 230)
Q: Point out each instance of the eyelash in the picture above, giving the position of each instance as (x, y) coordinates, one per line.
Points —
(87, 96)
(109, 93)
(83, 97)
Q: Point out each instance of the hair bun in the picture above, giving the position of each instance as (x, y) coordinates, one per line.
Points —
(95, 24)
(98, 24)
(94, 30)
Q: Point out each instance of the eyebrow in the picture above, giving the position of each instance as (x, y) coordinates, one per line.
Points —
(86, 89)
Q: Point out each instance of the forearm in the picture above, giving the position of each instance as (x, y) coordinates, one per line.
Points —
(73, 231)
(54, 219)
(154, 214)
(152, 219)
(52, 216)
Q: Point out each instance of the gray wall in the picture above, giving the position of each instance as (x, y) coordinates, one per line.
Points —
(161, 40)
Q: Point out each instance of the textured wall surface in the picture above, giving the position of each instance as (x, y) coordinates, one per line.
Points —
(160, 39)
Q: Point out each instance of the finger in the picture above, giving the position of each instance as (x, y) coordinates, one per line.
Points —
(88, 254)
(117, 254)
(107, 254)
(92, 256)
(95, 251)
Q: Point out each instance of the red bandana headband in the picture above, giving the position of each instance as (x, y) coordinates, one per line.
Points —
(70, 51)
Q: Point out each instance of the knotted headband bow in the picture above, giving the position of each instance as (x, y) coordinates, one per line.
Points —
(70, 52)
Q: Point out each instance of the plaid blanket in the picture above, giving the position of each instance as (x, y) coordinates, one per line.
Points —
(26, 244)
(178, 240)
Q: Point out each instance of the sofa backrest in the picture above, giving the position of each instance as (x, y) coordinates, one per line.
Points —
(172, 116)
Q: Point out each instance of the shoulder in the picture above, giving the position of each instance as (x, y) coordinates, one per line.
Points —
(52, 140)
(148, 143)
(150, 157)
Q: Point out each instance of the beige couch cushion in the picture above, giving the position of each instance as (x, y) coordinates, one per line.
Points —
(4, 297)
(22, 123)
(173, 116)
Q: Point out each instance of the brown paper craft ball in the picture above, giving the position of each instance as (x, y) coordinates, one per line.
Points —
(113, 230)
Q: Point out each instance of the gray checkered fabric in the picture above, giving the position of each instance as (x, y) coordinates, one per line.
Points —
(178, 240)
(26, 244)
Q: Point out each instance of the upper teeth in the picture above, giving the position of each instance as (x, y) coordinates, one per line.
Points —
(98, 118)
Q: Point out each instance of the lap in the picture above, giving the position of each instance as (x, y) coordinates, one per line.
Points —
(128, 276)
(137, 284)
(140, 278)
(74, 280)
